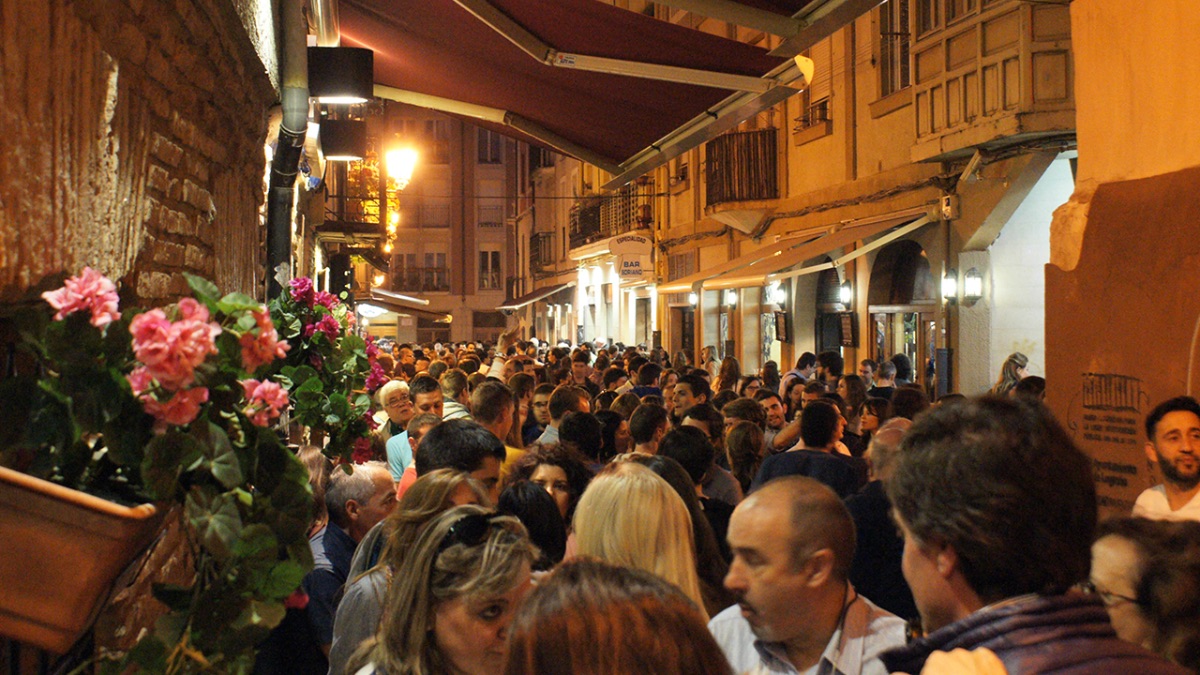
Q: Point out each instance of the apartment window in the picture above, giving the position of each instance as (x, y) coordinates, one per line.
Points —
(488, 143)
(894, 41)
(437, 141)
(435, 276)
(489, 271)
(929, 15)
(959, 8)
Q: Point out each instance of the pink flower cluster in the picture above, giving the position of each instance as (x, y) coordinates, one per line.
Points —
(170, 352)
(302, 290)
(362, 451)
(265, 401)
(89, 291)
(327, 325)
(376, 378)
(264, 347)
(326, 300)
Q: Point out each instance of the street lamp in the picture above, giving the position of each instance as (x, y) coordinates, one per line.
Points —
(400, 164)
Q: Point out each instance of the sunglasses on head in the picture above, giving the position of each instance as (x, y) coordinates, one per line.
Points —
(470, 530)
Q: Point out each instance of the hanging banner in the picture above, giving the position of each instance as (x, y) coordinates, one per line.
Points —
(633, 257)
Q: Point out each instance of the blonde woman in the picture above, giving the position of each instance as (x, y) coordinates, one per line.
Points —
(449, 610)
(1012, 372)
(381, 553)
(631, 516)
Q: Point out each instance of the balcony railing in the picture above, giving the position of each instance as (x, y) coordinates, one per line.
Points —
(435, 215)
(491, 215)
(626, 210)
(421, 279)
(742, 167)
(541, 250)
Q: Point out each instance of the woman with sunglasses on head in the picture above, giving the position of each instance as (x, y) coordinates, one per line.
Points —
(358, 613)
(449, 612)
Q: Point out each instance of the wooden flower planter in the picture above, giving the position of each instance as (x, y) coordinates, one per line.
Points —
(60, 553)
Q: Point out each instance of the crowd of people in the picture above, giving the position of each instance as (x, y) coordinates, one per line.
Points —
(546, 509)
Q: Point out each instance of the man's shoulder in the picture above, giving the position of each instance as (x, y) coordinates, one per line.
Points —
(733, 635)
(1152, 502)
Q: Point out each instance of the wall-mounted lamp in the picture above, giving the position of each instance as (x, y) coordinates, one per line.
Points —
(341, 74)
(776, 293)
(693, 299)
(730, 297)
(972, 285)
(343, 140)
(845, 293)
(950, 285)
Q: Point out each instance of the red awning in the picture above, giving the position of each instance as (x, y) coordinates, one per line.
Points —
(530, 66)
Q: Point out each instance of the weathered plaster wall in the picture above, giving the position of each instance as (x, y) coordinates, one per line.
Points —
(1121, 306)
(134, 138)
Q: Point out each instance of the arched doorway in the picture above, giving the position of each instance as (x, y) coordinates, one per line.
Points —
(902, 301)
(829, 308)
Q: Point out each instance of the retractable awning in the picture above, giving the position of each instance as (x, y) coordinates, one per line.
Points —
(529, 298)
(618, 89)
(403, 304)
(774, 263)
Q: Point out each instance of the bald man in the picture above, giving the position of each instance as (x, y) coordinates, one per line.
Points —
(793, 543)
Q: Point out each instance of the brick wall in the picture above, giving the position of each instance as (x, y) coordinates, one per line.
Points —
(133, 134)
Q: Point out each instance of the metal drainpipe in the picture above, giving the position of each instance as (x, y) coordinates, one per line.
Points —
(288, 146)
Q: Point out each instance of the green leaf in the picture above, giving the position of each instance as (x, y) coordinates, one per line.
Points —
(284, 579)
(205, 290)
(238, 302)
(167, 454)
(219, 458)
(263, 614)
(215, 519)
(150, 654)
(246, 322)
(257, 540)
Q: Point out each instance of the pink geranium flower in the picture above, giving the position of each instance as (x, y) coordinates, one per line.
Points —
(327, 325)
(376, 378)
(325, 299)
(180, 409)
(263, 347)
(264, 401)
(89, 291)
(302, 290)
(171, 351)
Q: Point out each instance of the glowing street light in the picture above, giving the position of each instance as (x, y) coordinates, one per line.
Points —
(400, 165)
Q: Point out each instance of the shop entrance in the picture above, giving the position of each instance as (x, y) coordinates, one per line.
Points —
(903, 307)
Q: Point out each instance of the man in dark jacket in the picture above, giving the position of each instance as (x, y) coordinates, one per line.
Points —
(998, 509)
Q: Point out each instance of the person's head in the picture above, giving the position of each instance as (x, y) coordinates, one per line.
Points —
(614, 376)
(541, 403)
(604, 400)
(994, 501)
(522, 386)
(908, 402)
(426, 395)
(820, 425)
(583, 432)
(830, 365)
(438, 368)
(648, 373)
(690, 446)
(749, 386)
(709, 353)
(668, 378)
(593, 618)
(1122, 549)
(709, 420)
(793, 543)
(904, 371)
(625, 404)
(813, 391)
(886, 373)
(466, 446)
(418, 426)
(538, 512)
(1168, 589)
(884, 448)
(729, 373)
(463, 581)
(1014, 368)
(393, 397)
(743, 448)
(853, 391)
(358, 500)
(430, 495)
(559, 470)
(689, 391)
(648, 423)
(455, 385)
(492, 407)
(319, 469)
(745, 410)
(1030, 386)
(567, 398)
(772, 408)
(615, 434)
(581, 366)
(1173, 440)
(630, 516)
(807, 363)
(873, 413)
(866, 370)
(723, 397)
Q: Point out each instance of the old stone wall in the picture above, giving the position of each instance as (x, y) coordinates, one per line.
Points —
(133, 134)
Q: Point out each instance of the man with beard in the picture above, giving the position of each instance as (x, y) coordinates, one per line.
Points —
(1173, 430)
(793, 543)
